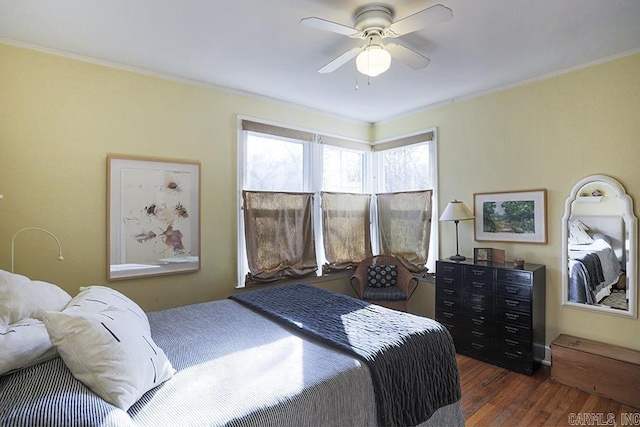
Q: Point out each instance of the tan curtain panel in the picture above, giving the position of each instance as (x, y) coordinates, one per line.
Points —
(404, 226)
(346, 230)
(279, 236)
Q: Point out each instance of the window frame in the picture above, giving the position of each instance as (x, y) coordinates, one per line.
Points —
(313, 172)
(396, 144)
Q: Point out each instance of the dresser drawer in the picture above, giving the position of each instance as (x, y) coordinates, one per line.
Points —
(446, 269)
(513, 290)
(449, 304)
(508, 303)
(514, 276)
(479, 285)
(474, 297)
(511, 343)
(478, 309)
(478, 322)
(450, 317)
(513, 332)
(515, 360)
(481, 336)
(513, 317)
(448, 292)
(450, 282)
(475, 272)
(479, 349)
(457, 333)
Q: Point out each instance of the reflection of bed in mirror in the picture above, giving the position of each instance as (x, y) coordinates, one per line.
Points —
(596, 260)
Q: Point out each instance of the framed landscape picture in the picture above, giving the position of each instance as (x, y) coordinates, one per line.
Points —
(516, 216)
(153, 218)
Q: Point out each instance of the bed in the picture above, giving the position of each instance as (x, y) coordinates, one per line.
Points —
(596, 257)
(259, 358)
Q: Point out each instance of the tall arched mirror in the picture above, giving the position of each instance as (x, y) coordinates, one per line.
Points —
(599, 248)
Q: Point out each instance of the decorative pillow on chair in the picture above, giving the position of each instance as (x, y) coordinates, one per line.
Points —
(382, 276)
(111, 351)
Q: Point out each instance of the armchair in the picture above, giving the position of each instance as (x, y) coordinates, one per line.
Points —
(395, 296)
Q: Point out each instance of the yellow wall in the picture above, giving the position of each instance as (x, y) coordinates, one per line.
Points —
(547, 134)
(59, 118)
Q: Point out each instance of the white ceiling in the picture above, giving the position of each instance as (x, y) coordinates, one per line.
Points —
(259, 46)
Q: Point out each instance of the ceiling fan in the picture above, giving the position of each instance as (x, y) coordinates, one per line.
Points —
(373, 23)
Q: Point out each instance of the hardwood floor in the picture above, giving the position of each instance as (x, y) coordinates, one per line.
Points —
(492, 396)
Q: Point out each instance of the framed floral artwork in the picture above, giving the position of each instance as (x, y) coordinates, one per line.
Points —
(153, 219)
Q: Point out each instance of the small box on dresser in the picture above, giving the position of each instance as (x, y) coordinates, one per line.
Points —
(494, 312)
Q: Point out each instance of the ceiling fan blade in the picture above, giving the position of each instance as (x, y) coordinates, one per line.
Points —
(323, 24)
(407, 56)
(340, 60)
(426, 17)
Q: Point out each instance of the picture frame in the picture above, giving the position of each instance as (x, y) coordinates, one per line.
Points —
(153, 217)
(488, 256)
(481, 255)
(511, 216)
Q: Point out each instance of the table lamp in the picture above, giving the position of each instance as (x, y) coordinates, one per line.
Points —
(456, 211)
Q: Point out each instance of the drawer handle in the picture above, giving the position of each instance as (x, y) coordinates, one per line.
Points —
(477, 322)
(512, 276)
(478, 309)
(511, 355)
(477, 346)
(477, 334)
(511, 330)
(478, 273)
(447, 315)
(448, 303)
(448, 280)
(511, 342)
(511, 303)
(511, 290)
(479, 285)
(448, 291)
(449, 269)
(511, 316)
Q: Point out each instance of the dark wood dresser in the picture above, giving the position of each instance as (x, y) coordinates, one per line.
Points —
(495, 313)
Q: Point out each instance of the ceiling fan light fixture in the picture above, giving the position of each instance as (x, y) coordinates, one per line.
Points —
(373, 60)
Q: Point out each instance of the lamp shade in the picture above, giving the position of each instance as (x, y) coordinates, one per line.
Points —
(373, 60)
(456, 211)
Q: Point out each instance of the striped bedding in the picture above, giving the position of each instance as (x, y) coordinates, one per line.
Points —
(234, 367)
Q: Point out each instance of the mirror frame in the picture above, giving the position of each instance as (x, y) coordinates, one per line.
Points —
(631, 267)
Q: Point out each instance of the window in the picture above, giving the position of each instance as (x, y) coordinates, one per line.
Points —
(407, 165)
(275, 163)
(405, 169)
(342, 170)
(277, 159)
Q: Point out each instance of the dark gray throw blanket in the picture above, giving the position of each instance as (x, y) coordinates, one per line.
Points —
(412, 359)
(585, 276)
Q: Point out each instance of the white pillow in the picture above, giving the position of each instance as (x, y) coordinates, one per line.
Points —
(110, 351)
(95, 299)
(21, 298)
(23, 344)
(578, 233)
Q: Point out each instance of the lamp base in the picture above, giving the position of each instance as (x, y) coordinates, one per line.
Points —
(457, 257)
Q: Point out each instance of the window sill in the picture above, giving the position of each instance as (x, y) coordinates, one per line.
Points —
(311, 279)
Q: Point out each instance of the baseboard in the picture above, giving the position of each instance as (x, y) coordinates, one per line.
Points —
(542, 354)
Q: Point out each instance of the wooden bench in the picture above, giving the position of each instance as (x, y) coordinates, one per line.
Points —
(603, 369)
